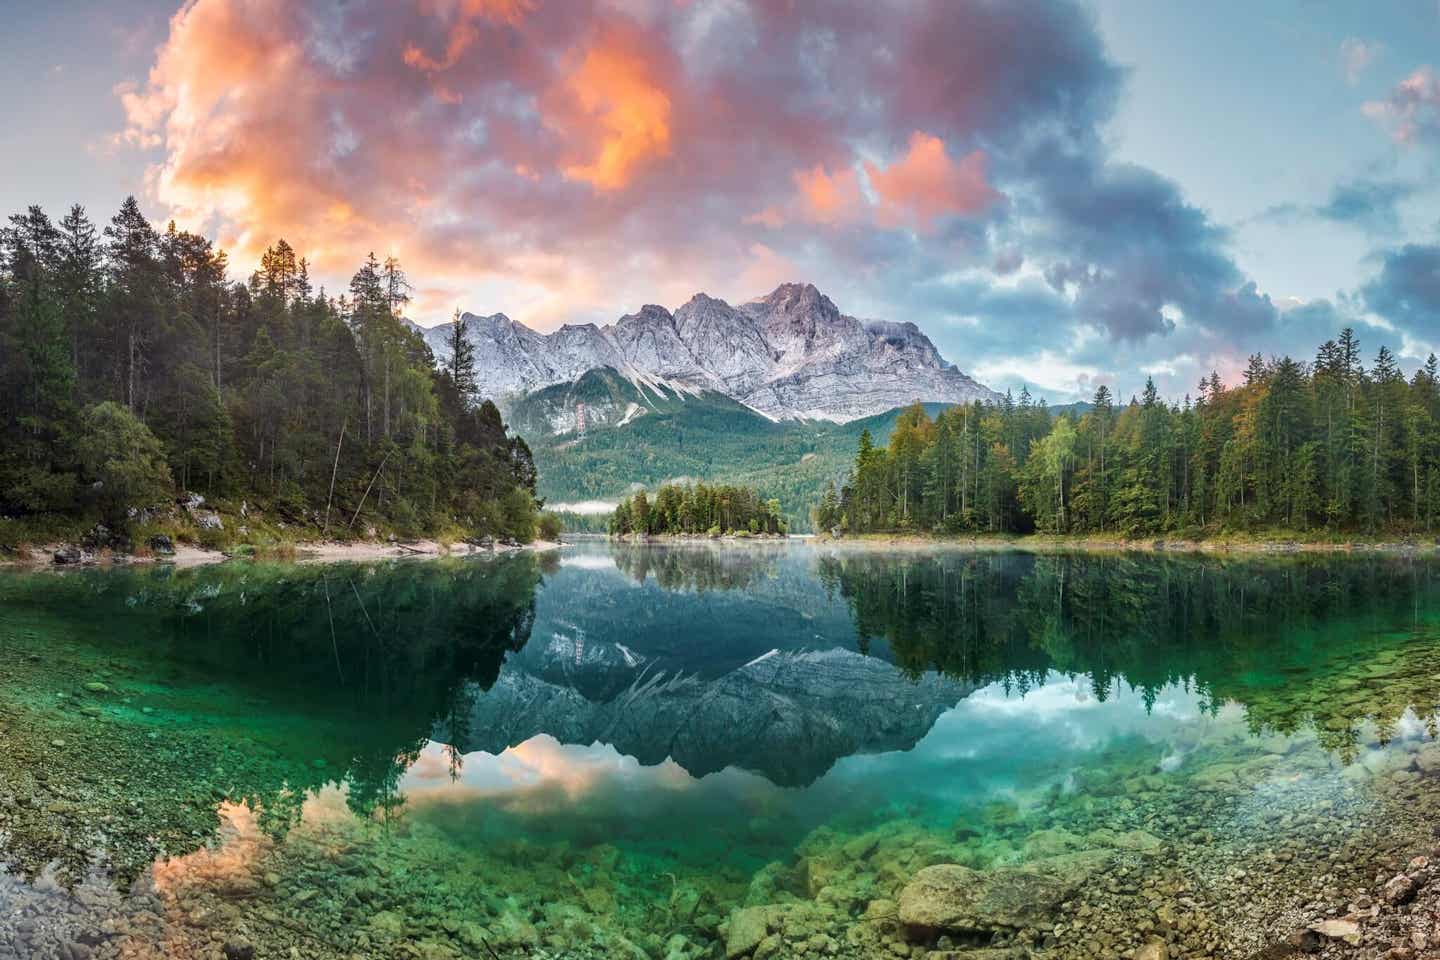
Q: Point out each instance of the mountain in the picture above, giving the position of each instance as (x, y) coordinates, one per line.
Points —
(789, 355)
(650, 434)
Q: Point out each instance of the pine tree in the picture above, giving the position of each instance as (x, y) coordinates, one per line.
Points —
(462, 356)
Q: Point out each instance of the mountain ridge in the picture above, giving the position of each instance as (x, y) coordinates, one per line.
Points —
(791, 354)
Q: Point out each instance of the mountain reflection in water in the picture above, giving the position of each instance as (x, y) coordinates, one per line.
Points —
(645, 724)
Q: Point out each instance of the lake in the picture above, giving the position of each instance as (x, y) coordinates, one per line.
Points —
(677, 752)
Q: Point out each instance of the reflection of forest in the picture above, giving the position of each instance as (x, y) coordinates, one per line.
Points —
(362, 660)
(698, 565)
(1323, 640)
(269, 681)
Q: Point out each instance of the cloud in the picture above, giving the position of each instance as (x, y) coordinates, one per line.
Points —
(828, 198)
(1370, 205)
(1129, 250)
(1411, 113)
(465, 21)
(1356, 55)
(916, 191)
(621, 109)
(1406, 291)
(568, 161)
(926, 184)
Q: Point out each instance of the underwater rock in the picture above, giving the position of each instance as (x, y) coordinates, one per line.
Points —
(941, 897)
(1134, 841)
(1052, 842)
(512, 930)
(952, 898)
(1346, 930)
(769, 947)
(387, 923)
(1400, 889)
(748, 927)
(1154, 950)
(239, 950)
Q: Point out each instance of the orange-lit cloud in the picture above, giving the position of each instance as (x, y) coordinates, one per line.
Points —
(914, 192)
(926, 184)
(232, 95)
(622, 110)
(830, 197)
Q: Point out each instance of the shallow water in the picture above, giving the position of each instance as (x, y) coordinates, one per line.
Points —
(610, 752)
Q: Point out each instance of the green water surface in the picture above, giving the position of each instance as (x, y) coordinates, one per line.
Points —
(612, 750)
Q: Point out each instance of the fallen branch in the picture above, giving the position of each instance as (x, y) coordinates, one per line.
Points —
(383, 461)
(333, 469)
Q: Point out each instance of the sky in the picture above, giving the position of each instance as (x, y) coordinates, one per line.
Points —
(1061, 193)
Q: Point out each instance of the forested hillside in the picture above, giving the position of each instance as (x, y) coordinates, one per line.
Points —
(706, 437)
(133, 367)
(1326, 446)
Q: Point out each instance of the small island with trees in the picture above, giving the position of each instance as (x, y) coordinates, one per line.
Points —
(698, 510)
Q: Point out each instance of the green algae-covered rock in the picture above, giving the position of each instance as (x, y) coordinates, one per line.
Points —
(748, 927)
(512, 930)
(387, 924)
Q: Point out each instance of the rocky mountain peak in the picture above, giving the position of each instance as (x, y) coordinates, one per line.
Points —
(796, 298)
(791, 353)
(649, 314)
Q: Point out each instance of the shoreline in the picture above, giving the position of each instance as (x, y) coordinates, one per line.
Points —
(304, 551)
(1042, 543)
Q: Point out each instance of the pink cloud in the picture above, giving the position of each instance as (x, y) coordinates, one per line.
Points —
(1411, 112)
(830, 197)
(926, 184)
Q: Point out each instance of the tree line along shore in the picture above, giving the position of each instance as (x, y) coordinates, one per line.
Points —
(149, 393)
(1328, 450)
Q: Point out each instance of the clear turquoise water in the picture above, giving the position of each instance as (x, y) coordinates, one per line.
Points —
(606, 752)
